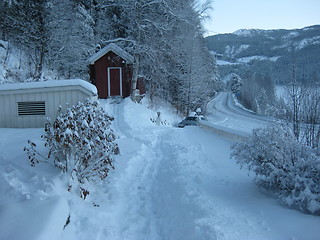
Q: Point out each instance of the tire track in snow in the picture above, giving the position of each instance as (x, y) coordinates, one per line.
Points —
(167, 189)
(159, 195)
(172, 184)
(217, 188)
(175, 208)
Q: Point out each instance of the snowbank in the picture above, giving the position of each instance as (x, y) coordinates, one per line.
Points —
(49, 84)
(259, 58)
(30, 205)
(34, 219)
(231, 134)
(222, 62)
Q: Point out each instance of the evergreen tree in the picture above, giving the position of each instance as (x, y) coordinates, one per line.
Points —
(257, 93)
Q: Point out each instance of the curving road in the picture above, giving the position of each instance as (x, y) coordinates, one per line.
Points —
(223, 111)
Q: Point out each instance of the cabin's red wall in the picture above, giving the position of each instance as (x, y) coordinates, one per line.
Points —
(99, 74)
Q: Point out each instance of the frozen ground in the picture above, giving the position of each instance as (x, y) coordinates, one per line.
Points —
(169, 183)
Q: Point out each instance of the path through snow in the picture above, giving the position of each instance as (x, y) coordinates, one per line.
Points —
(168, 184)
(181, 184)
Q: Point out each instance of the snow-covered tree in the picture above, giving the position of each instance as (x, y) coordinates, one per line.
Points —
(283, 165)
(257, 93)
(71, 37)
(110, 21)
(165, 37)
(25, 24)
(233, 82)
(262, 102)
(311, 116)
(189, 75)
(302, 106)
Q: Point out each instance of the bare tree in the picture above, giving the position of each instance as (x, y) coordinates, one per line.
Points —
(71, 37)
(311, 115)
(25, 24)
(303, 111)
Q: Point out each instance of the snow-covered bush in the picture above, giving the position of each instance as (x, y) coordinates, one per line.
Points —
(80, 142)
(283, 165)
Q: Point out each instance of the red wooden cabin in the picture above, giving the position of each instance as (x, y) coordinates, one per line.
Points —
(111, 71)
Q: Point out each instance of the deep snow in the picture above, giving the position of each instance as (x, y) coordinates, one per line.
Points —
(49, 84)
(168, 183)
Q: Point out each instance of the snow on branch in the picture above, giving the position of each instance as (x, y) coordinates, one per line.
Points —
(283, 166)
(81, 143)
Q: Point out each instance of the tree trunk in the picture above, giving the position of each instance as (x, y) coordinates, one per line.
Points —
(134, 81)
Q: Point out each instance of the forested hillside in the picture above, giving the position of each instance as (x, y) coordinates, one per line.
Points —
(253, 62)
(269, 52)
(55, 38)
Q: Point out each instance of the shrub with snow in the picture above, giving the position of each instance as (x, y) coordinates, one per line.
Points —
(80, 142)
(283, 165)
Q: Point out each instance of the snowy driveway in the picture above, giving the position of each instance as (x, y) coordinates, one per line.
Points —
(180, 184)
(168, 184)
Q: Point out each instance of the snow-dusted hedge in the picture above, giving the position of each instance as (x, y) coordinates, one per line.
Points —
(282, 165)
(80, 142)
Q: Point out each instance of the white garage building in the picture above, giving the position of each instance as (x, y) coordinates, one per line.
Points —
(29, 104)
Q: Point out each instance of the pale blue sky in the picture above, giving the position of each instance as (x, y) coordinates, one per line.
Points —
(231, 15)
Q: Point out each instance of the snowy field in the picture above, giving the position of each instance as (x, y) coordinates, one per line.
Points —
(168, 184)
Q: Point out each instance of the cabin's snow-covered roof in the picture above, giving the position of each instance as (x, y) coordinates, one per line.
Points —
(48, 84)
(111, 48)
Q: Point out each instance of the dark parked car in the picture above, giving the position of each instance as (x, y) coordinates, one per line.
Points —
(189, 121)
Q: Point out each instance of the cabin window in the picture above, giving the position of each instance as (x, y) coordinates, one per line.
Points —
(31, 108)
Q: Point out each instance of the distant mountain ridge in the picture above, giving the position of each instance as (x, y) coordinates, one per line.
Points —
(269, 52)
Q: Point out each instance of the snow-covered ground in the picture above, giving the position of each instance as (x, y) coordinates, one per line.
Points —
(222, 62)
(14, 67)
(246, 60)
(168, 183)
(260, 58)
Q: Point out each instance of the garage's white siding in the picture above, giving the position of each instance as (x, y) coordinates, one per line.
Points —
(52, 93)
